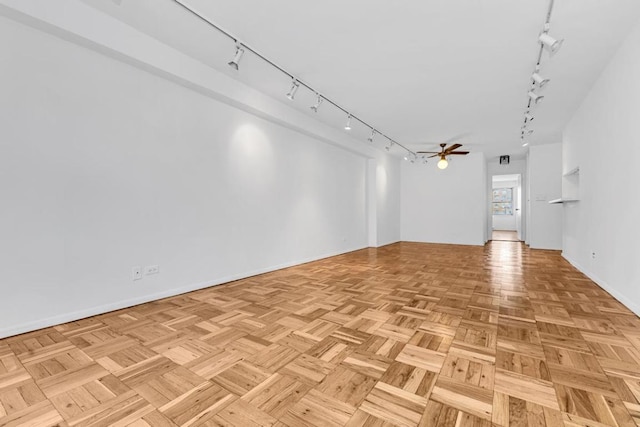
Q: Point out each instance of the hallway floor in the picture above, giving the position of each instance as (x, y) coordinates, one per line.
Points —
(505, 235)
(408, 334)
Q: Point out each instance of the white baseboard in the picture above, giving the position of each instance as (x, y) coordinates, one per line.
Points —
(106, 308)
(631, 305)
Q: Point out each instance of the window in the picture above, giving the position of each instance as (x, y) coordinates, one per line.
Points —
(502, 202)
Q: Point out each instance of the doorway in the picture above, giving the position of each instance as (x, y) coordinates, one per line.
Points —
(506, 207)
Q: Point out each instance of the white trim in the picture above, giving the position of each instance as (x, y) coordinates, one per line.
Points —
(631, 305)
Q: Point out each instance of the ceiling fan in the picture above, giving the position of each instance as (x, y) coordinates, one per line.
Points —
(444, 152)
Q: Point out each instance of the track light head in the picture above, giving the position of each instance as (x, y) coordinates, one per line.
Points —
(388, 146)
(551, 44)
(294, 88)
(527, 132)
(525, 143)
(528, 117)
(372, 136)
(535, 97)
(317, 104)
(540, 81)
(348, 125)
(443, 163)
(237, 57)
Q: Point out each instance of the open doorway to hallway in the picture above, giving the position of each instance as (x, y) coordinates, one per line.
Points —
(506, 207)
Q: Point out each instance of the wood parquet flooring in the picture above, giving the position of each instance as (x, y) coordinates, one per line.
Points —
(405, 335)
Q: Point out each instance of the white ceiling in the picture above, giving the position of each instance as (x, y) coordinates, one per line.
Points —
(421, 71)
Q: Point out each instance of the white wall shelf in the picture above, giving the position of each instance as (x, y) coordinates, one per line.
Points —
(556, 201)
(570, 186)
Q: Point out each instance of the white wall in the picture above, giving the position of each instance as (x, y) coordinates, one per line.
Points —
(545, 183)
(445, 206)
(506, 222)
(104, 166)
(602, 139)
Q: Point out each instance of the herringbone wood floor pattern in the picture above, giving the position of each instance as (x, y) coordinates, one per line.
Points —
(408, 334)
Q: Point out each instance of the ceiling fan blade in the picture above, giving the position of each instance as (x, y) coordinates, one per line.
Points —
(427, 152)
(457, 137)
(453, 147)
(435, 155)
(459, 152)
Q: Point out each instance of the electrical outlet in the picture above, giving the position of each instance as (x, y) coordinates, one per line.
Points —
(151, 269)
(136, 273)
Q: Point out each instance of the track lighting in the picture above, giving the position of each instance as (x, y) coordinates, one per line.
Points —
(237, 57)
(535, 97)
(443, 163)
(372, 136)
(348, 125)
(540, 81)
(550, 43)
(528, 117)
(525, 143)
(388, 146)
(294, 88)
(317, 104)
(527, 132)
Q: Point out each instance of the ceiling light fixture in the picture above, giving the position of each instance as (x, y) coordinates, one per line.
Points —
(242, 47)
(317, 104)
(372, 136)
(443, 163)
(535, 97)
(551, 44)
(537, 80)
(237, 57)
(348, 125)
(294, 88)
(540, 81)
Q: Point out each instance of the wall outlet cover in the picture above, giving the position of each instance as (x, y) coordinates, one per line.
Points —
(151, 269)
(136, 273)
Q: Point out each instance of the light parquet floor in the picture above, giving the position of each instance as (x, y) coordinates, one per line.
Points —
(405, 335)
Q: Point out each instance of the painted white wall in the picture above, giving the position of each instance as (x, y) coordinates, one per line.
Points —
(445, 206)
(545, 179)
(515, 166)
(506, 222)
(602, 139)
(105, 166)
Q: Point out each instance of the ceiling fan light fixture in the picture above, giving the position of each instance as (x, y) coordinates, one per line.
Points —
(539, 80)
(237, 57)
(294, 88)
(550, 43)
(535, 97)
(443, 163)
